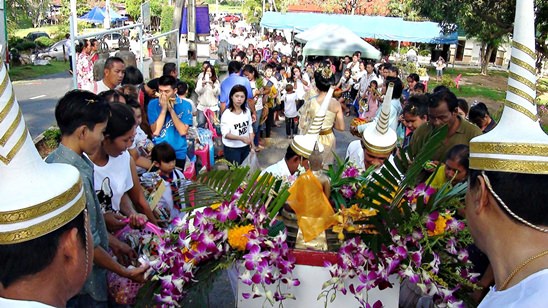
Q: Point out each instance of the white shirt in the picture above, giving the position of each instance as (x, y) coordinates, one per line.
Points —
(290, 105)
(112, 180)
(236, 124)
(100, 86)
(530, 292)
(166, 201)
(5, 302)
(355, 154)
(279, 169)
(300, 87)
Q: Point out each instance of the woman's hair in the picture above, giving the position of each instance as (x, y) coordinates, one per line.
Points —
(417, 105)
(252, 70)
(213, 74)
(132, 76)
(113, 96)
(235, 89)
(477, 112)
(162, 153)
(130, 91)
(120, 121)
(374, 82)
(463, 105)
(324, 77)
(461, 154)
(255, 55)
(80, 47)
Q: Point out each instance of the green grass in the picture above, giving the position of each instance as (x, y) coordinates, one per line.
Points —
(479, 91)
(224, 8)
(23, 32)
(31, 71)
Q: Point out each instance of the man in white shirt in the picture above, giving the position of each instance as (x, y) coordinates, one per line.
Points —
(377, 142)
(114, 72)
(289, 165)
(506, 208)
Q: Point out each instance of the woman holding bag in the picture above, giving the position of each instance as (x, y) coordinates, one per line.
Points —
(208, 89)
(236, 127)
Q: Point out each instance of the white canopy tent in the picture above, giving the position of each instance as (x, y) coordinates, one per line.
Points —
(335, 40)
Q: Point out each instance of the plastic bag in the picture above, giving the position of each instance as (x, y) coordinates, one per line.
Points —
(252, 162)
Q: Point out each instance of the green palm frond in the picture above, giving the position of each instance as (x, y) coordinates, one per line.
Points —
(383, 183)
(217, 186)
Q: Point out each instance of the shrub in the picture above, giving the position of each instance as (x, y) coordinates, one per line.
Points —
(25, 45)
(52, 137)
(43, 42)
(424, 53)
(190, 73)
(166, 19)
(447, 81)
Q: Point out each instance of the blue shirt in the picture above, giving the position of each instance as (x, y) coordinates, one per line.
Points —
(169, 132)
(230, 82)
(96, 284)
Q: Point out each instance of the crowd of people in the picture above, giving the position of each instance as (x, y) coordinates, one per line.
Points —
(115, 129)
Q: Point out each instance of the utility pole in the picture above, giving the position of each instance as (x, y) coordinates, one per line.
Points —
(192, 48)
(107, 15)
(3, 33)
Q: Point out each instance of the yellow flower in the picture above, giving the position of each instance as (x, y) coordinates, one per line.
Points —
(215, 206)
(237, 236)
(441, 223)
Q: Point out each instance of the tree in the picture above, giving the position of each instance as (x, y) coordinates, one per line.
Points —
(490, 21)
(253, 11)
(541, 46)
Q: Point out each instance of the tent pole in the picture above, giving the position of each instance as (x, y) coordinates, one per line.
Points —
(73, 33)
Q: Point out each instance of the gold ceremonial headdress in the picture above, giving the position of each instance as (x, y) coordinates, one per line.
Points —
(380, 138)
(37, 198)
(517, 144)
(304, 144)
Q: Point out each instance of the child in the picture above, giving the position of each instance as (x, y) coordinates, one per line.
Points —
(82, 117)
(170, 205)
(418, 89)
(345, 84)
(373, 97)
(170, 117)
(141, 147)
(415, 114)
(290, 111)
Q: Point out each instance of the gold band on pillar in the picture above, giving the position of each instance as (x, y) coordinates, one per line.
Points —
(526, 149)
(7, 159)
(521, 109)
(522, 94)
(503, 165)
(523, 80)
(11, 129)
(526, 66)
(525, 49)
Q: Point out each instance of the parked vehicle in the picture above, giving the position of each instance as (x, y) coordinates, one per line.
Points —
(55, 51)
(112, 40)
(231, 18)
(34, 35)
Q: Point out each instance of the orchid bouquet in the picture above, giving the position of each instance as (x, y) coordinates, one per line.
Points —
(232, 229)
(394, 225)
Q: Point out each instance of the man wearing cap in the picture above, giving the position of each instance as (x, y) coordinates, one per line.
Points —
(46, 249)
(506, 207)
(443, 110)
(378, 140)
(289, 165)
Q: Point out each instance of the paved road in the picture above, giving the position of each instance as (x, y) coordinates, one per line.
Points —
(38, 97)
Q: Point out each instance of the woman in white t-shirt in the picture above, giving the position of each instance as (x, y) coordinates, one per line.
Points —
(236, 126)
(115, 172)
(257, 85)
(208, 88)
